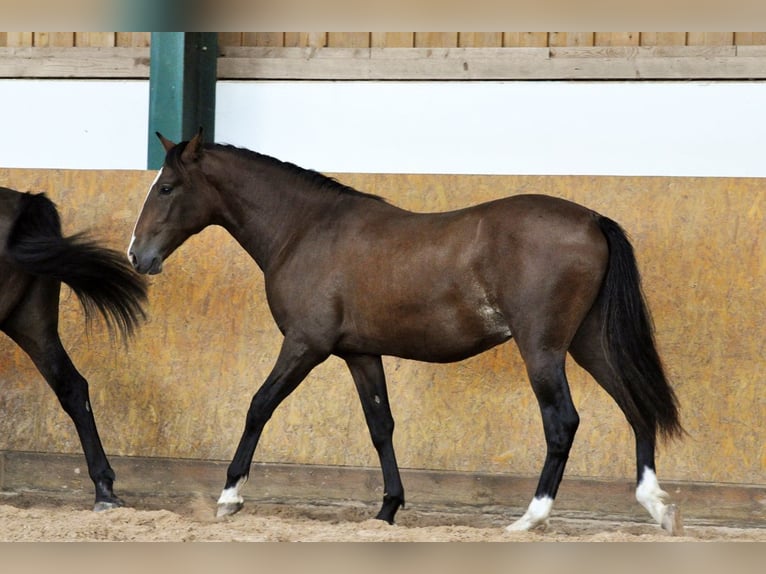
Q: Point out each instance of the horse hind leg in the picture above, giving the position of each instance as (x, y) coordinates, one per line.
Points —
(560, 422)
(590, 354)
(33, 326)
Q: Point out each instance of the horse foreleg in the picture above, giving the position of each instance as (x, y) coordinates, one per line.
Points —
(370, 381)
(560, 422)
(295, 362)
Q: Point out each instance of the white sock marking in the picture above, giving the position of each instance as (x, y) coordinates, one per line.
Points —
(537, 514)
(651, 496)
(231, 495)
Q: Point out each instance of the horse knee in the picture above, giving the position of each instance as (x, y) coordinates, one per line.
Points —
(381, 431)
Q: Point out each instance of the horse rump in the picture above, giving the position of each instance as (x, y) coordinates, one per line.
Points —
(100, 277)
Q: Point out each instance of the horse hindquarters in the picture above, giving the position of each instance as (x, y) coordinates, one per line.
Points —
(33, 325)
(559, 266)
(102, 280)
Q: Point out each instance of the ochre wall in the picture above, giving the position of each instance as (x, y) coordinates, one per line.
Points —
(182, 388)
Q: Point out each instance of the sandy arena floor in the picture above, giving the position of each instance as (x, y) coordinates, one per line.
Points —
(46, 516)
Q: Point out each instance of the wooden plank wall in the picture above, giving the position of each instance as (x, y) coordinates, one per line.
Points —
(75, 39)
(488, 39)
(397, 39)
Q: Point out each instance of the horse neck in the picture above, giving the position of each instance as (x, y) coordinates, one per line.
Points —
(265, 205)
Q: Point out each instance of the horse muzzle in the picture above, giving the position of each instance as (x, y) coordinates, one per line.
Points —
(145, 263)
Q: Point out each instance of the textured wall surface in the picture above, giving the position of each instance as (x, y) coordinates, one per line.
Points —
(183, 386)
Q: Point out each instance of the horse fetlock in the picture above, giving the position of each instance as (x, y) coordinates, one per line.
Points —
(652, 497)
(230, 502)
(536, 516)
(390, 505)
(106, 499)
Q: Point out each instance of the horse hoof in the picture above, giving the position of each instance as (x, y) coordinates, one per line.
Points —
(524, 524)
(672, 522)
(103, 505)
(228, 508)
(383, 518)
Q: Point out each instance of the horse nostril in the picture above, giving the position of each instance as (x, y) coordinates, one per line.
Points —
(133, 259)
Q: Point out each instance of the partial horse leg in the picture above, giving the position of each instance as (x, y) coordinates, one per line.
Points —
(33, 325)
(589, 353)
(293, 365)
(560, 422)
(370, 381)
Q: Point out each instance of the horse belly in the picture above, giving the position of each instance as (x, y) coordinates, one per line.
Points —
(436, 332)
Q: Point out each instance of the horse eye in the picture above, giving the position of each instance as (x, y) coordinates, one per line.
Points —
(165, 189)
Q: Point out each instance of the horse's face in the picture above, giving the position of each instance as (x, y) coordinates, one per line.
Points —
(176, 207)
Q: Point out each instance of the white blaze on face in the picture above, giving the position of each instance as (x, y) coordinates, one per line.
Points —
(133, 237)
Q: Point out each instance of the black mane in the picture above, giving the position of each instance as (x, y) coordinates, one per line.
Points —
(313, 178)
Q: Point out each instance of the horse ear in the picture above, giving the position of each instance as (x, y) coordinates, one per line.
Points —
(166, 143)
(193, 148)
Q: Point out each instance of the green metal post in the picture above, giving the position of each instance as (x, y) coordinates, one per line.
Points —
(182, 78)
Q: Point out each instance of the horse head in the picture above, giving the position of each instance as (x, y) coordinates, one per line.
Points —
(175, 208)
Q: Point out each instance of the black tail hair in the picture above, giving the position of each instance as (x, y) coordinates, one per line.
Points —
(644, 395)
(101, 278)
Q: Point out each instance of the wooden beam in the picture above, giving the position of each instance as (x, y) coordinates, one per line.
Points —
(566, 63)
(312, 62)
(116, 63)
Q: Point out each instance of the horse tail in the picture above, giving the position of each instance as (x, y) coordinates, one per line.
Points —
(643, 392)
(101, 278)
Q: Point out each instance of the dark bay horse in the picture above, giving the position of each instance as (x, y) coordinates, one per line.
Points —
(34, 260)
(350, 275)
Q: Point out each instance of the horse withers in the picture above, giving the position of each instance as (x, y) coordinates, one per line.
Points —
(348, 274)
(34, 260)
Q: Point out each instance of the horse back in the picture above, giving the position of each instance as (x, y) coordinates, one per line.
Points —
(437, 287)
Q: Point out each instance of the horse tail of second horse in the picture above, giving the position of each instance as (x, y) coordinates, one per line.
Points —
(101, 278)
(641, 388)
